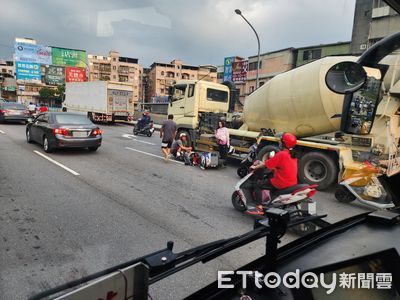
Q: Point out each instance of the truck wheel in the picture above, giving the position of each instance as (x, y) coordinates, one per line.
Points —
(90, 116)
(318, 168)
(237, 201)
(342, 194)
(263, 154)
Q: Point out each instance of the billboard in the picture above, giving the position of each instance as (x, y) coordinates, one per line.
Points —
(28, 71)
(239, 70)
(68, 57)
(228, 68)
(33, 53)
(75, 74)
(54, 75)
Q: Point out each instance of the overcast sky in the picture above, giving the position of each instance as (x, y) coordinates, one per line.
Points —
(198, 32)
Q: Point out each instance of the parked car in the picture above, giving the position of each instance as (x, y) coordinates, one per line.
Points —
(63, 130)
(12, 111)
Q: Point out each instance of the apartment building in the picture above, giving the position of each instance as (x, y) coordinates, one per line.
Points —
(162, 75)
(117, 68)
(373, 20)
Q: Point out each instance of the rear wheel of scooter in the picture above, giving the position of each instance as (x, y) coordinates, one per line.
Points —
(242, 171)
(342, 194)
(149, 134)
(237, 201)
(135, 132)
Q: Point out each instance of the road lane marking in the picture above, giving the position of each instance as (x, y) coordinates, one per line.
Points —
(153, 155)
(56, 163)
(132, 137)
(1, 131)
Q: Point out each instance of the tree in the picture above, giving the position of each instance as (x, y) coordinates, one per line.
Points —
(46, 93)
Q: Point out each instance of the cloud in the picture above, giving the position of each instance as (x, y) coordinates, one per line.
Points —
(199, 32)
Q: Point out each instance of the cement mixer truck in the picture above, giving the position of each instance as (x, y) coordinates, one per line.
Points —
(337, 132)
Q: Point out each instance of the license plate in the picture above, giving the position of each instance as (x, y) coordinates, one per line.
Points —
(312, 208)
(79, 134)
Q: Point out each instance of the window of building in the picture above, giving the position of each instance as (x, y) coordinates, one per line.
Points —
(253, 66)
(251, 89)
(312, 54)
(261, 83)
(217, 95)
(162, 91)
(162, 73)
(114, 59)
(114, 77)
(114, 67)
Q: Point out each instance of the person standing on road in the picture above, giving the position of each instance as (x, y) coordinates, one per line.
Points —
(167, 135)
(222, 136)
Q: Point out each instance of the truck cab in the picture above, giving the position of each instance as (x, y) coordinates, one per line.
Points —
(189, 99)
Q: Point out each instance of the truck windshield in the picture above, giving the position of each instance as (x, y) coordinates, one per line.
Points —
(217, 95)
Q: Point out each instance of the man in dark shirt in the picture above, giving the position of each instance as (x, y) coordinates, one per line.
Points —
(167, 135)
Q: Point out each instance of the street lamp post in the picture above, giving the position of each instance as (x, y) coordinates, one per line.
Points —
(237, 11)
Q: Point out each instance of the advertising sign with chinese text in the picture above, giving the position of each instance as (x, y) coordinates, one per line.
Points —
(239, 70)
(33, 53)
(68, 57)
(75, 74)
(28, 71)
(228, 68)
(54, 75)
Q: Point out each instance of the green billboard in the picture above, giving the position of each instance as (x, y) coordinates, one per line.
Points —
(68, 57)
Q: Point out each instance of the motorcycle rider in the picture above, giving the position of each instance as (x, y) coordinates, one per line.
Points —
(31, 108)
(144, 120)
(284, 167)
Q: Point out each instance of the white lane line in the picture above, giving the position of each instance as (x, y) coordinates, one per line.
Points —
(153, 155)
(132, 137)
(1, 131)
(56, 163)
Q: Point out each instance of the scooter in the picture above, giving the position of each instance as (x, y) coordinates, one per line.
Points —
(247, 162)
(295, 198)
(148, 129)
(362, 184)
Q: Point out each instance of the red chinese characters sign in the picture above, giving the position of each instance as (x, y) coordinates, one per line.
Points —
(75, 74)
(239, 70)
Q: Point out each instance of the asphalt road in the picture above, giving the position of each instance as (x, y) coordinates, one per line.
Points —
(95, 210)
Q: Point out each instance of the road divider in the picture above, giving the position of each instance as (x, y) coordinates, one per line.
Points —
(153, 155)
(56, 163)
(132, 137)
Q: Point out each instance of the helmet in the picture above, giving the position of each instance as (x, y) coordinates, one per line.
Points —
(289, 140)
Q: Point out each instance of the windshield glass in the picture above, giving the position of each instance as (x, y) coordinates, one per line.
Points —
(109, 185)
(12, 106)
(72, 119)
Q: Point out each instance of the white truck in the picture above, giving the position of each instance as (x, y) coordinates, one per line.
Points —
(102, 101)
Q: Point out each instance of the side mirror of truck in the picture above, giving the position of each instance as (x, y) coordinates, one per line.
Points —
(345, 77)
